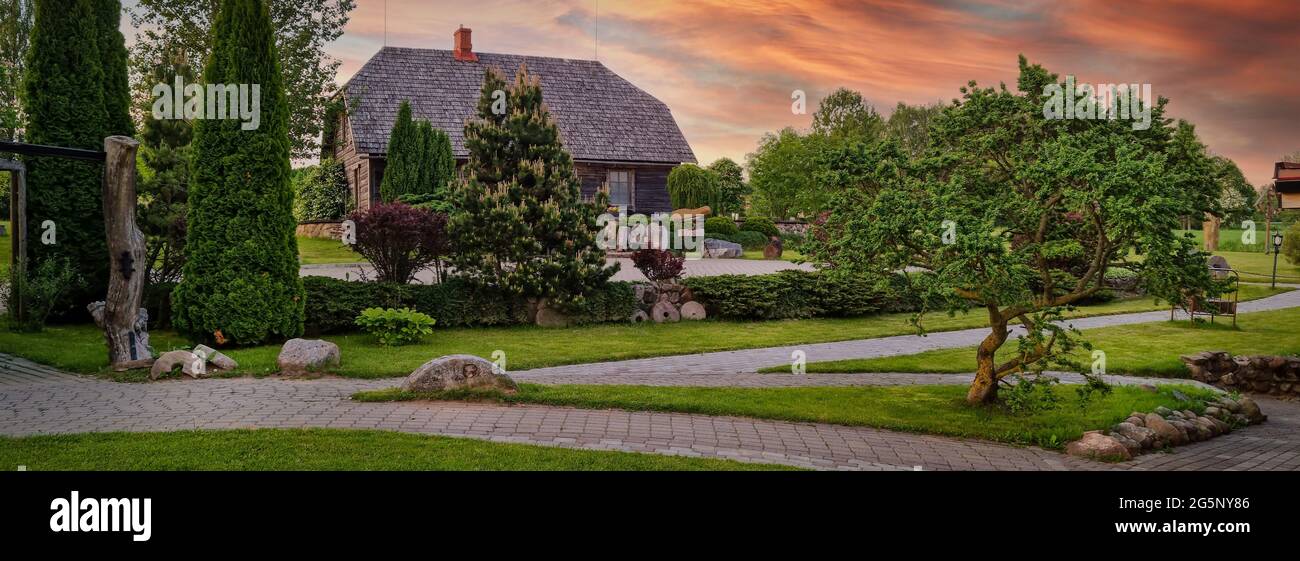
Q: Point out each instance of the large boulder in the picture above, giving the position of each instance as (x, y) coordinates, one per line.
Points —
(1098, 446)
(300, 356)
(1251, 410)
(719, 249)
(1167, 433)
(458, 372)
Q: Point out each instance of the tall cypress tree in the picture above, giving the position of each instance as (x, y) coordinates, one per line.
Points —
(240, 281)
(112, 49)
(520, 222)
(64, 103)
(441, 161)
(402, 164)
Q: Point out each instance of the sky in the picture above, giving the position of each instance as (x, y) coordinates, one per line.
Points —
(727, 68)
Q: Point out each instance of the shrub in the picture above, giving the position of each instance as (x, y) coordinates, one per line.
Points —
(395, 326)
(1291, 244)
(785, 295)
(400, 240)
(691, 186)
(333, 304)
(241, 275)
(719, 225)
(750, 239)
(41, 293)
(658, 264)
(761, 225)
(320, 192)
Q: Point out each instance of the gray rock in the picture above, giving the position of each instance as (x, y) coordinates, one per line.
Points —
(216, 358)
(458, 372)
(1214, 412)
(693, 311)
(719, 249)
(1144, 437)
(548, 316)
(1230, 404)
(1180, 396)
(190, 365)
(1163, 411)
(300, 356)
(1098, 446)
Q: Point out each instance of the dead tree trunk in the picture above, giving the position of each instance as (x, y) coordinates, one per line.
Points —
(18, 233)
(126, 346)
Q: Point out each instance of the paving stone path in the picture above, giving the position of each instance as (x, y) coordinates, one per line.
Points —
(36, 399)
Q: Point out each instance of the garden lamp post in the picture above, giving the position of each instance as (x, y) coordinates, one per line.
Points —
(1277, 248)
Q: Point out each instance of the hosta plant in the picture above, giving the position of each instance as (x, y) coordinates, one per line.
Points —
(395, 326)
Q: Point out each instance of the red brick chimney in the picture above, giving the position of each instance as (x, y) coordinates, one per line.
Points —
(464, 49)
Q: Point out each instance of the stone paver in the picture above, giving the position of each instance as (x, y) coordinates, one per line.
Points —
(40, 400)
(626, 272)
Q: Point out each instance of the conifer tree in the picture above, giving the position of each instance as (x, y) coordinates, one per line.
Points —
(112, 49)
(240, 282)
(520, 222)
(443, 163)
(402, 165)
(64, 104)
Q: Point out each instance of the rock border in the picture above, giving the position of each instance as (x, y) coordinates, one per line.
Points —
(1165, 428)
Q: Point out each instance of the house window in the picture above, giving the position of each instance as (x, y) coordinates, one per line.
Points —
(620, 189)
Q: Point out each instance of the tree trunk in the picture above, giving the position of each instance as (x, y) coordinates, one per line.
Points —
(128, 345)
(984, 388)
(1210, 230)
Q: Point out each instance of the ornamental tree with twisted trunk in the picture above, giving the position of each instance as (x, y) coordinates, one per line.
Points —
(1020, 216)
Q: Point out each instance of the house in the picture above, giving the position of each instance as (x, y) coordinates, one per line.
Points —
(617, 134)
(1287, 179)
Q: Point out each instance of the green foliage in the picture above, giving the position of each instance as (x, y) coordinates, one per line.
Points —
(732, 188)
(845, 115)
(691, 186)
(750, 239)
(719, 226)
(781, 174)
(303, 30)
(241, 276)
(1018, 214)
(165, 174)
(520, 223)
(909, 126)
(333, 304)
(402, 167)
(40, 293)
(785, 295)
(1291, 244)
(112, 50)
(395, 327)
(761, 225)
(1031, 394)
(321, 192)
(15, 40)
(66, 71)
(441, 161)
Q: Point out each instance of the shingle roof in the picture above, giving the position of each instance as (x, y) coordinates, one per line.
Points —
(601, 115)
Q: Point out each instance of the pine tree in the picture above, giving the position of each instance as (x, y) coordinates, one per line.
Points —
(519, 221)
(444, 164)
(165, 177)
(64, 99)
(240, 281)
(112, 49)
(402, 166)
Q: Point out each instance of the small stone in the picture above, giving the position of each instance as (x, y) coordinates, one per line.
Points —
(300, 356)
(1136, 421)
(1163, 411)
(1224, 428)
(1098, 446)
(1144, 437)
(1230, 405)
(1214, 412)
(1251, 410)
(458, 372)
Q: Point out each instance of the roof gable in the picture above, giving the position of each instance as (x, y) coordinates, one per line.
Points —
(601, 116)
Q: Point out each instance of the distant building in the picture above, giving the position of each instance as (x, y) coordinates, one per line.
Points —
(1286, 176)
(617, 134)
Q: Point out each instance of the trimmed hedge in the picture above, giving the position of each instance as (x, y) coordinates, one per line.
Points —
(333, 304)
(761, 225)
(719, 226)
(785, 295)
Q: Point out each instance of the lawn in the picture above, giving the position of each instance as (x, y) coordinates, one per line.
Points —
(320, 251)
(80, 348)
(1149, 349)
(925, 409)
(787, 255)
(322, 449)
(1257, 267)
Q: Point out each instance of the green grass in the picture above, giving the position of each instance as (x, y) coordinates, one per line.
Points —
(1257, 267)
(925, 409)
(322, 449)
(787, 255)
(80, 348)
(319, 251)
(1150, 349)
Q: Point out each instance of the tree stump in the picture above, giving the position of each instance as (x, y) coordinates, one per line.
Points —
(127, 340)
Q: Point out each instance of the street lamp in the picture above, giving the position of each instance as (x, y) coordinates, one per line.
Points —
(1277, 248)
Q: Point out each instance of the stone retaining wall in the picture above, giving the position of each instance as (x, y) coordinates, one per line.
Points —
(325, 229)
(1273, 375)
